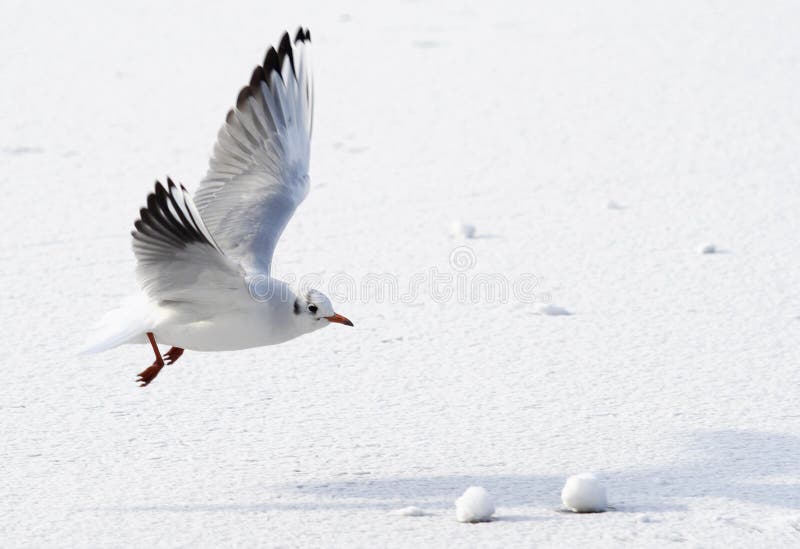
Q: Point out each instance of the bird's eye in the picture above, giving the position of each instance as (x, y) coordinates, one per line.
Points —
(312, 308)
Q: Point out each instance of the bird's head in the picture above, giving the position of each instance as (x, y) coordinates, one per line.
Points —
(315, 308)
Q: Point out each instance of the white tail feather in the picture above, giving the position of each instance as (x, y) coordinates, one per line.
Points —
(127, 324)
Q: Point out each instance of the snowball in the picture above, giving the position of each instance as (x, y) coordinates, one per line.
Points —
(474, 505)
(462, 230)
(584, 494)
(707, 249)
(553, 310)
(409, 511)
(612, 205)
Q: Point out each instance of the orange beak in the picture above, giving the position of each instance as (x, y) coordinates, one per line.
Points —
(339, 319)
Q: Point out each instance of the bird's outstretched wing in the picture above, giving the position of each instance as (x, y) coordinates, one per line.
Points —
(177, 258)
(258, 173)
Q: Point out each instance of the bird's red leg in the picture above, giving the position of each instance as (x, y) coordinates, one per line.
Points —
(151, 372)
(173, 354)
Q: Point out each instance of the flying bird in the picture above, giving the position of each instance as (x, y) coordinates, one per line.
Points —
(203, 263)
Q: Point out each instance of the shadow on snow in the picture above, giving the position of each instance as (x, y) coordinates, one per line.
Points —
(728, 464)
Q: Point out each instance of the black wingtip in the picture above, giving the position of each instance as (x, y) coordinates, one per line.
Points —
(241, 99)
(271, 62)
(285, 45)
(256, 78)
(166, 223)
(302, 35)
(161, 192)
(285, 50)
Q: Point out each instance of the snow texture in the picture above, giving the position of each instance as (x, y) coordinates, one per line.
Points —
(676, 379)
(474, 505)
(583, 493)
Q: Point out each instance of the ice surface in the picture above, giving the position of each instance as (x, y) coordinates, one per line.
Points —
(474, 505)
(584, 493)
(525, 118)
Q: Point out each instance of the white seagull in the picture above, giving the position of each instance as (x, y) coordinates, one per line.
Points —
(204, 264)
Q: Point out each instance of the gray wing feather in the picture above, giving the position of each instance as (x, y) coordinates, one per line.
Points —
(258, 173)
(177, 258)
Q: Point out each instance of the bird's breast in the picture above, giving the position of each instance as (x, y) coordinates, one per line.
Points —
(252, 326)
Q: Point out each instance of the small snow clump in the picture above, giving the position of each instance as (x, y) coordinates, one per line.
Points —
(474, 505)
(707, 249)
(583, 493)
(410, 511)
(553, 310)
(459, 229)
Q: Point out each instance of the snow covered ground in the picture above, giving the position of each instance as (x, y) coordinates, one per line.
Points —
(674, 377)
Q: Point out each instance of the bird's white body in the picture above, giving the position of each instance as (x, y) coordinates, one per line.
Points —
(237, 328)
(197, 258)
(245, 321)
